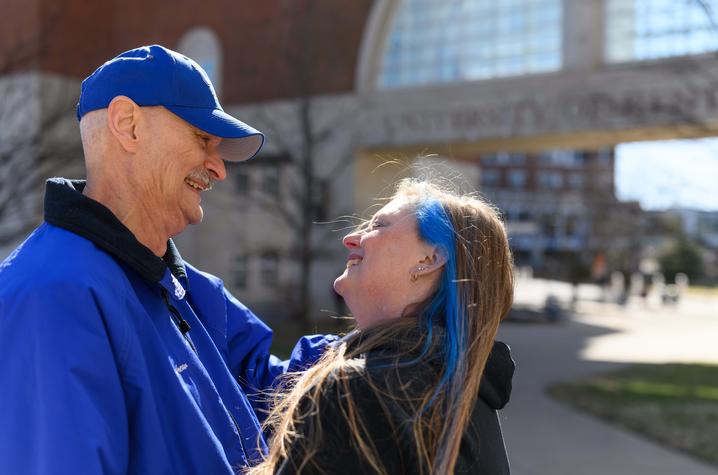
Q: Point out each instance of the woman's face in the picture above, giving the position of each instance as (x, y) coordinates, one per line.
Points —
(376, 284)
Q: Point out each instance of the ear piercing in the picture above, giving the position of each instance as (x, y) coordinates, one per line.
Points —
(420, 268)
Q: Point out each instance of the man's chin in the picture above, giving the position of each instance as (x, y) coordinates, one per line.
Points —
(197, 217)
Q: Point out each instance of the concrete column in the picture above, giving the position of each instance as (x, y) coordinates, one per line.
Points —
(583, 34)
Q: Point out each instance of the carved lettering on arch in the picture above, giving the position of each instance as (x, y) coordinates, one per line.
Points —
(527, 113)
(592, 110)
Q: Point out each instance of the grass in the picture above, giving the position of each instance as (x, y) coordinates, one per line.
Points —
(703, 291)
(673, 404)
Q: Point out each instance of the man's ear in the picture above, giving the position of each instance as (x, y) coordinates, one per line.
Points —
(123, 116)
(431, 263)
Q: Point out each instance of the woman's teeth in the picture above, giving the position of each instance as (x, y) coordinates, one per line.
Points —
(353, 262)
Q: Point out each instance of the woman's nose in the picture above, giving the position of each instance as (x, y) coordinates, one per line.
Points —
(351, 241)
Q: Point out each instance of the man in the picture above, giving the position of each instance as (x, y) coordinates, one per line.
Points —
(115, 356)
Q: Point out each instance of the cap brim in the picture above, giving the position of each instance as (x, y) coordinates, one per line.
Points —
(241, 141)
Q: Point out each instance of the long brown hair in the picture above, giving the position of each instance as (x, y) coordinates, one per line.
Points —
(474, 296)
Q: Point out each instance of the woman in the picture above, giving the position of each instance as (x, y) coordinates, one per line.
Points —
(416, 387)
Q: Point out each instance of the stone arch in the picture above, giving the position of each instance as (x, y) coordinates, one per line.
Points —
(373, 44)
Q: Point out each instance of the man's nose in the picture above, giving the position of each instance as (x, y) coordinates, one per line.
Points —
(216, 166)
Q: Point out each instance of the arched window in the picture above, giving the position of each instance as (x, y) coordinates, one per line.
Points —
(647, 29)
(202, 45)
(462, 40)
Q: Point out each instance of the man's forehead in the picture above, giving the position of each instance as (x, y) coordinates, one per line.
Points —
(199, 131)
(196, 130)
(175, 119)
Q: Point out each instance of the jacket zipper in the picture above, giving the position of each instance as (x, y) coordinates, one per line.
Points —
(181, 323)
(184, 329)
(239, 433)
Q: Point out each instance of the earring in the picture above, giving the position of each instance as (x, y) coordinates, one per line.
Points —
(415, 277)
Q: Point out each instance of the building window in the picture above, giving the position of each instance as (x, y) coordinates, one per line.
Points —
(576, 180)
(490, 159)
(548, 225)
(320, 199)
(441, 42)
(239, 271)
(605, 181)
(240, 176)
(504, 158)
(269, 269)
(270, 180)
(517, 179)
(517, 159)
(490, 178)
(605, 156)
(562, 158)
(550, 179)
(202, 45)
(571, 226)
(579, 158)
(649, 29)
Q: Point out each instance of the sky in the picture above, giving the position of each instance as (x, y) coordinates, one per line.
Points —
(669, 174)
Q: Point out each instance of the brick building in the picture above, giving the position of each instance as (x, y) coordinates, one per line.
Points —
(561, 210)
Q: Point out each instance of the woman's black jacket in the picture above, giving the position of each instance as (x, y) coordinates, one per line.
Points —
(482, 449)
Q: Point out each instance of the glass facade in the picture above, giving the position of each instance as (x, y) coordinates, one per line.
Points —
(649, 29)
(462, 40)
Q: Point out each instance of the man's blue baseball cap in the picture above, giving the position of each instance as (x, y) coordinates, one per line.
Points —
(157, 76)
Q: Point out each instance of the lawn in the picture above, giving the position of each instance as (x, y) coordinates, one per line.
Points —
(703, 291)
(673, 404)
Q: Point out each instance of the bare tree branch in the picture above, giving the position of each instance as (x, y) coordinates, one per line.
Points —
(32, 146)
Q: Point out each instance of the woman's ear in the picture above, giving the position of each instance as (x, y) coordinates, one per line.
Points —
(431, 263)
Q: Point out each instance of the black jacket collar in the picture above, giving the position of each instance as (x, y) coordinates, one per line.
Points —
(407, 345)
(67, 208)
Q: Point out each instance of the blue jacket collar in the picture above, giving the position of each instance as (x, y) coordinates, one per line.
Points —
(66, 207)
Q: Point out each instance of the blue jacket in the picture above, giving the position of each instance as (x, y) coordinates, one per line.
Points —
(115, 361)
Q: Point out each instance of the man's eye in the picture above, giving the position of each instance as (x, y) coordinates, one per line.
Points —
(376, 224)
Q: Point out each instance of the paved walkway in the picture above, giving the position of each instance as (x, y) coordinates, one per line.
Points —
(546, 438)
